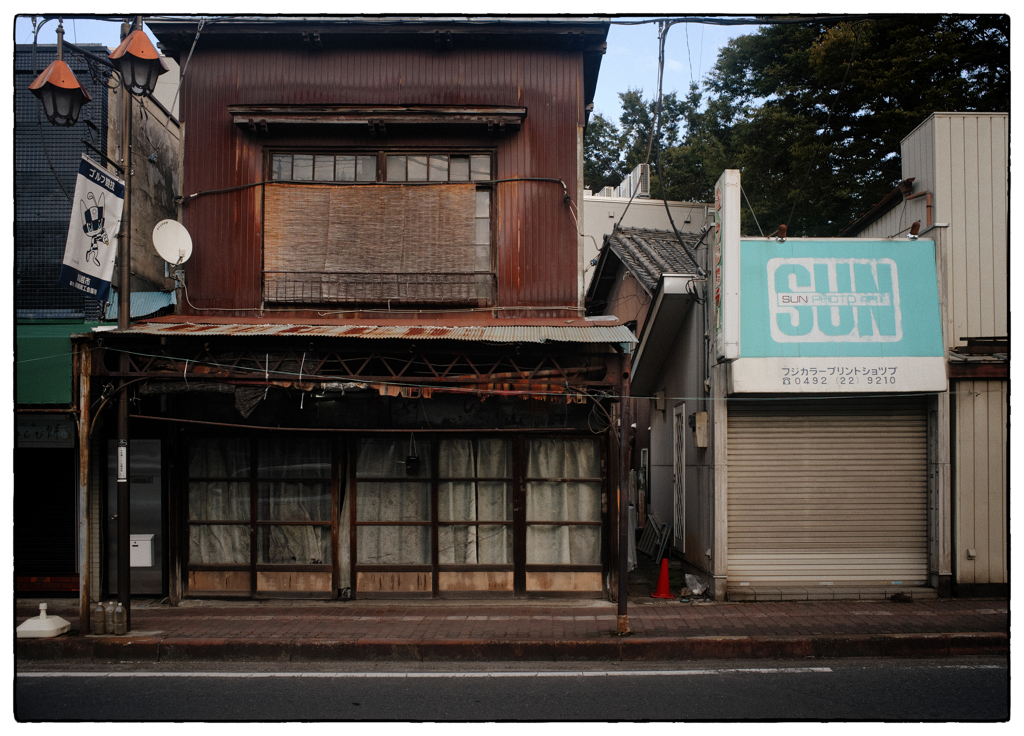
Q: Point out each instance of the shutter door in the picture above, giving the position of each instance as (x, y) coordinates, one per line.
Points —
(828, 491)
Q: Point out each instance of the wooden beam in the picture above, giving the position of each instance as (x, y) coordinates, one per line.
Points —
(979, 370)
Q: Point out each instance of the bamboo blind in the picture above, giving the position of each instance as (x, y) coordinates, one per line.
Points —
(371, 243)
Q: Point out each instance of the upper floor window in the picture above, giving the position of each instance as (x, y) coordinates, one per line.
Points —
(391, 237)
(323, 167)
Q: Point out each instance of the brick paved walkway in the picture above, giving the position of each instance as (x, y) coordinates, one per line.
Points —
(543, 620)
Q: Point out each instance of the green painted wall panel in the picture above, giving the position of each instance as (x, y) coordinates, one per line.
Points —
(43, 361)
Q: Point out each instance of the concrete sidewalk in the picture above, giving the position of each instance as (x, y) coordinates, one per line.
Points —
(530, 630)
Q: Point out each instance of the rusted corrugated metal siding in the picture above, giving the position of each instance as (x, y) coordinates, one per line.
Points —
(502, 334)
(536, 238)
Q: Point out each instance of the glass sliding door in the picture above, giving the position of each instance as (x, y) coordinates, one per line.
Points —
(477, 516)
(219, 515)
(262, 515)
(294, 514)
(475, 533)
(393, 514)
(564, 486)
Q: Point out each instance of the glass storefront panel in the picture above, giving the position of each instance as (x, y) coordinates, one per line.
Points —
(563, 501)
(218, 544)
(293, 501)
(549, 544)
(293, 545)
(563, 458)
(392, 501)
(389, 458)
(393, 545)
(472, 544)
(304, 457)
(218, 500)
(218, 457)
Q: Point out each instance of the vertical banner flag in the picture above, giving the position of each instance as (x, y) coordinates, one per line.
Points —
(92, 235)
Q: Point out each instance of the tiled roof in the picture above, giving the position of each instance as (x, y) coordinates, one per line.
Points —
(650, 253)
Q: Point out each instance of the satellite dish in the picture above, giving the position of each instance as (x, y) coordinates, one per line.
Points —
(172, 241)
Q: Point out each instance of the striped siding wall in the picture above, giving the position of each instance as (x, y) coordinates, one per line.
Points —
(981, 463)
(537, 248)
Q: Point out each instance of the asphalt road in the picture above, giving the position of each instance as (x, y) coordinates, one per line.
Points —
(960, 689)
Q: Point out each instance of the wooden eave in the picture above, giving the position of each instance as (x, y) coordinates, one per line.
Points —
(261, 116)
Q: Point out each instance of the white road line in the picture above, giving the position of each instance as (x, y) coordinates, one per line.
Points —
(547, 673)
(538, 673)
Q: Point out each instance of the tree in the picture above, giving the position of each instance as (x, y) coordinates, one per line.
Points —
(821, 109)
(813, 114)
(602, 154)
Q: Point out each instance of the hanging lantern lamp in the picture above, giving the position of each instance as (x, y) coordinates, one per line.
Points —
(139, 63)
(59, 90)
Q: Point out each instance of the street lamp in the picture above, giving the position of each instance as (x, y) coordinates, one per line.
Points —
(58, 88)
(136, 60)
(138, 64)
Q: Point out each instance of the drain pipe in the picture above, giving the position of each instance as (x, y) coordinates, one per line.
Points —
(927, 203)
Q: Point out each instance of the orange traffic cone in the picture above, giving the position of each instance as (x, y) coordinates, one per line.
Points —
(663, 591)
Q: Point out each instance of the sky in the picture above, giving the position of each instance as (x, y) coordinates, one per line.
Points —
(630, 62)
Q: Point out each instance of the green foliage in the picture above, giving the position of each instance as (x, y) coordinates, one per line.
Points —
(602, 165)
(813, 114)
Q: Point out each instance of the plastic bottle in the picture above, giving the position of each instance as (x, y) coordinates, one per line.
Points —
(120, 621)
(108, 617)
(98, 621)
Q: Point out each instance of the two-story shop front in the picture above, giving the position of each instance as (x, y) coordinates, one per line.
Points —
(380, 381)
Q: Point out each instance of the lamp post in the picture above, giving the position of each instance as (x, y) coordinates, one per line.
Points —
(138, 64)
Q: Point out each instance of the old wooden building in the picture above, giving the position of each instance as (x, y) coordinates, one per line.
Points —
(380, 380)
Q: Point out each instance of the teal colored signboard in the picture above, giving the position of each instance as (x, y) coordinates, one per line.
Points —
(849, 316)
(839, 298)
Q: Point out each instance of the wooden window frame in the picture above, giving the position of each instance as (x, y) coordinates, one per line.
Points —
(519, 523)
(254, 523)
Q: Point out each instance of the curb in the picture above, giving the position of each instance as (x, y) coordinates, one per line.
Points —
(626, 649)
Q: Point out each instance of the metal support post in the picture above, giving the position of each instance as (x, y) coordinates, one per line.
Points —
(124, 584)
(625, 418)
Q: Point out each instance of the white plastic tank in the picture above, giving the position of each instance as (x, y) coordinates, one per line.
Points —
(43, 626)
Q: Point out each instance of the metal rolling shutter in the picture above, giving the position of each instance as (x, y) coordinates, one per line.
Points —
(828, 491)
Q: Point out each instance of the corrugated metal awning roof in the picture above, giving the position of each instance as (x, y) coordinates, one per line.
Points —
(582, 332)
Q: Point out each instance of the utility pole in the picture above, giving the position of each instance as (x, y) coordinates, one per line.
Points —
(124, 245)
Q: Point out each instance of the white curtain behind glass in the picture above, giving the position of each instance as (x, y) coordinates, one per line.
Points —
(219, 500)
(294, 500)
(472, 500)
(563, 501)
(392, 501)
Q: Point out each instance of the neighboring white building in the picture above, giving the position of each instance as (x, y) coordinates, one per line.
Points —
(612, 206)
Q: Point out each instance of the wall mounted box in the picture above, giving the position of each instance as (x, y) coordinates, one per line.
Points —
(141, 550)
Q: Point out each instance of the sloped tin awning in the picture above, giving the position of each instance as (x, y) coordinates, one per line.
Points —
(579, 331)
